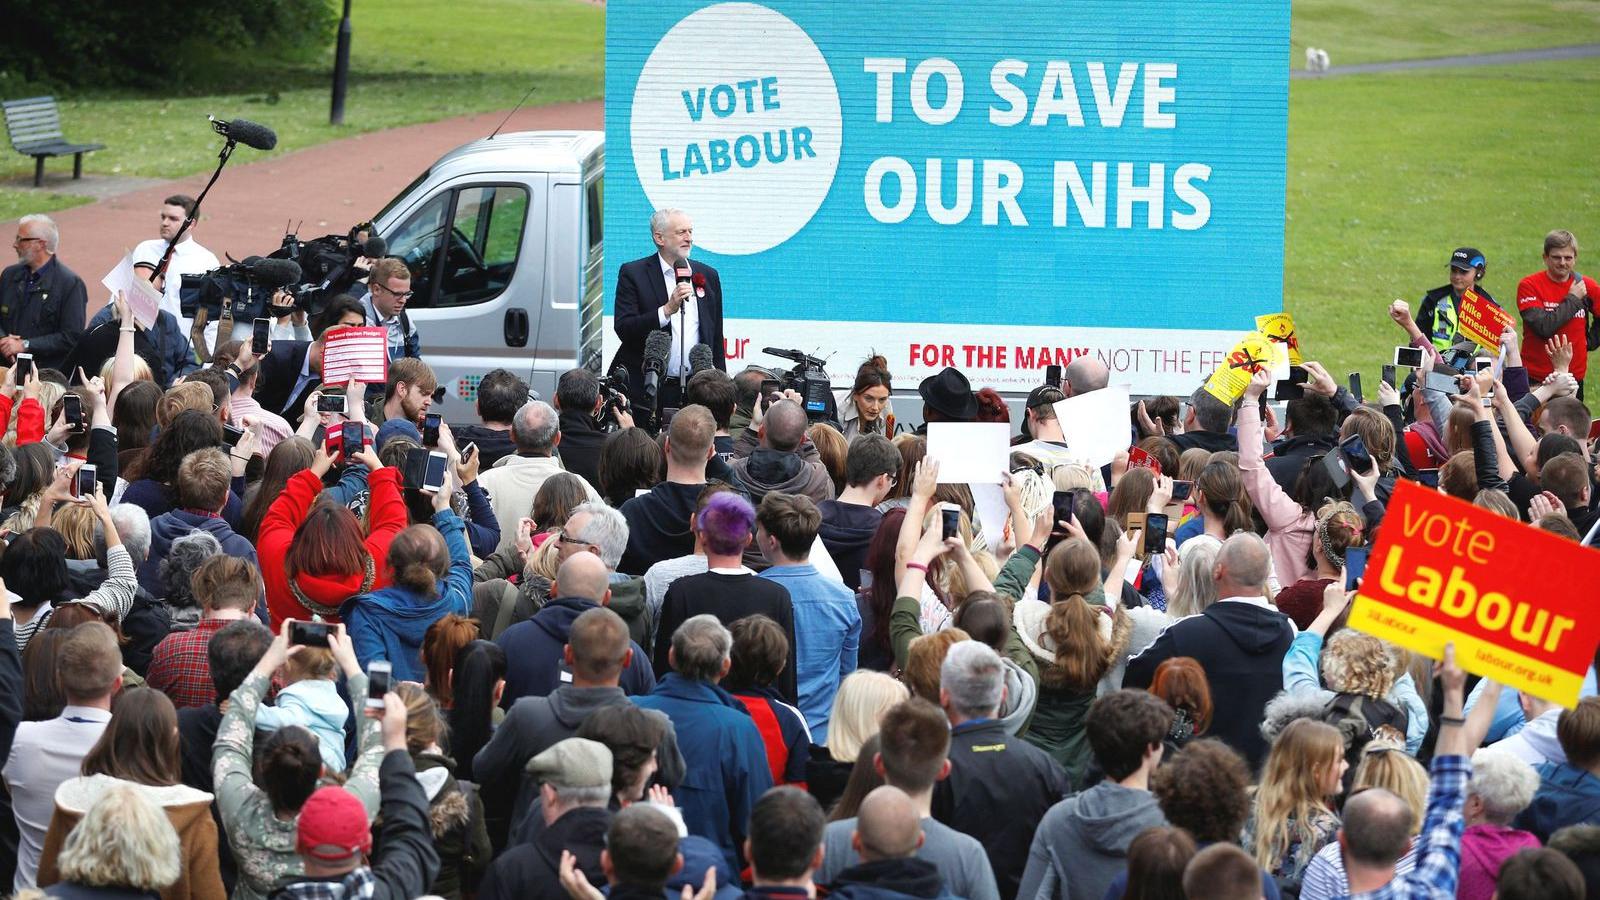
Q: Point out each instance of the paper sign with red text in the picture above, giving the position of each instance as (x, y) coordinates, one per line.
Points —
(1138, 458)
(1481, 320)
(356, 353)
(1516, 601)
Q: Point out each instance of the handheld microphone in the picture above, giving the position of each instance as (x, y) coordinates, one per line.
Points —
(684, 272)
(656, 348)
(246, 132)
(700, 358)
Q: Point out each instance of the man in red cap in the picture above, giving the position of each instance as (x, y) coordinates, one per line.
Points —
(333, 837)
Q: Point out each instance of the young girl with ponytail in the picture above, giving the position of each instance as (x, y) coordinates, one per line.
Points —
(1081, 643)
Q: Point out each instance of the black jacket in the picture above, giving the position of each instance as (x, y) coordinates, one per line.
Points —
(1290, 455)
(50, 316)
(531, 871)
(494, 444)
(999, 788)
(280, 370)
(729, 598)
(846, 532)
(892, 879)
(408, 863)
(534, 666)
(1205, 440)
(1240, 646)
(658, 525)
(580, 446)
(641, 292)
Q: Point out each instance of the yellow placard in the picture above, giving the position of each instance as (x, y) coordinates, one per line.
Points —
(1280, 328)
(1254, 351)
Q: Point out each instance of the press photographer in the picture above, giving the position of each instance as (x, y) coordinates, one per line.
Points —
(588, 414)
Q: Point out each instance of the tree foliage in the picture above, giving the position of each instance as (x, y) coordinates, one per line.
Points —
(147, 43)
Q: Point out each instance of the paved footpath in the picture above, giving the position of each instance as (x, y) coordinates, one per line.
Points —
(330, 187)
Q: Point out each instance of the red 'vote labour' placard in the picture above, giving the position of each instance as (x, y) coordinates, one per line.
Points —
(1518, 602)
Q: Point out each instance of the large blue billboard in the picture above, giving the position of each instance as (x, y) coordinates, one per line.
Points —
(997, 185)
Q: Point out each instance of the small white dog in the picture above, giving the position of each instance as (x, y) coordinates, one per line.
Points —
(1316, 60)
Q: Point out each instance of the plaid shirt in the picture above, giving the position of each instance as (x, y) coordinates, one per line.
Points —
(181, 668)
(1439, 846)
(357, 885)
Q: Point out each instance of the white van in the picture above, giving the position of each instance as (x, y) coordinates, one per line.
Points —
(503, 239)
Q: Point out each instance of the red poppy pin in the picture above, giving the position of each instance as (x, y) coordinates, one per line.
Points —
(699, 284)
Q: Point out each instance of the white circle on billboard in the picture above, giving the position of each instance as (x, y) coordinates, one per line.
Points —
(736, 121)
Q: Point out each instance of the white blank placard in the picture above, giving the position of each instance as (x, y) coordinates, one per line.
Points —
(1096, 425)
(970, 452)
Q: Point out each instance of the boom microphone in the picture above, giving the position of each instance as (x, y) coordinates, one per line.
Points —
(246, 132)
(375, 247)
(700, 358)
(656, 348)
(272, 272)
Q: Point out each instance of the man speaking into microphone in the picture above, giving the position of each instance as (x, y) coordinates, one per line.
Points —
(667, 292)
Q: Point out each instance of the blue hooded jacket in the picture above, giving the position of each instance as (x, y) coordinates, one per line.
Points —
(169, 526)
(534, 665)
(1567, 796)
(390, 623)
(725, 759)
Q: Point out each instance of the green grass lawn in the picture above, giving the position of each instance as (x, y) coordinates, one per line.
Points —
(411, 61)
(1360, 31)
(1389, 173)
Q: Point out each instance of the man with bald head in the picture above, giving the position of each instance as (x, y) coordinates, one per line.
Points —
(513, 481)
(1240, 641)
(596, 654)
(887, 836)
(1376, 826)
(1085, 374)
(785, 461)
(537, 656)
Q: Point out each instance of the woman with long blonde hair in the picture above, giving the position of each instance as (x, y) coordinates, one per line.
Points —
(858, 708)
(1292, 815)
(1383, 765)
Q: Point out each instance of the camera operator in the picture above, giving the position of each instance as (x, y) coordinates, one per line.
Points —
(581, 404)
(785, 460)
(500, 395)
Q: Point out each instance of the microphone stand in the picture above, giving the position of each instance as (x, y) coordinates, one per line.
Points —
(683, 341)
(194, 214)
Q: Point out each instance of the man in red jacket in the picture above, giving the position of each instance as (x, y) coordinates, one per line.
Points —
(1556, 301)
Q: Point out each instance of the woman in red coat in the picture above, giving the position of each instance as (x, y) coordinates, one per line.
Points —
(314, 556)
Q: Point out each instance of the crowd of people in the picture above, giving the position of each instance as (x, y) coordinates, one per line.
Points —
(244, 651)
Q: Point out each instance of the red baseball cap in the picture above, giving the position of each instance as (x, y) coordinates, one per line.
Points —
(333, 825)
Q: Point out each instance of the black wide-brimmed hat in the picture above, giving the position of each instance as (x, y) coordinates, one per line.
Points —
(950, 393)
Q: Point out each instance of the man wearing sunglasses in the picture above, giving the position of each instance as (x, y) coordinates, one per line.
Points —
(388, 292)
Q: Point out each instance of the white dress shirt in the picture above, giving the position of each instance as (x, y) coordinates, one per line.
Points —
(43, 755)
(678, 356)
(188, 258)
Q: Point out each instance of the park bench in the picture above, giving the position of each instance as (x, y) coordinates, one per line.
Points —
(35, 127)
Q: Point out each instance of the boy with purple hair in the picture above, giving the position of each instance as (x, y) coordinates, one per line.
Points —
(727, 590)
